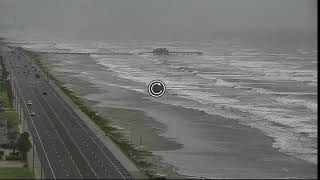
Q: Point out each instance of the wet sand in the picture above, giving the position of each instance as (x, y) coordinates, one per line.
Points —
(176, 134)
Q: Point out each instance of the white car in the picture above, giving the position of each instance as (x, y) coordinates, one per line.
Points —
(29, 103)
(32, 114)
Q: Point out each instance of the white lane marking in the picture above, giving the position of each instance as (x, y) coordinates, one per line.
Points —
(56, 132)
(54, 93)
(69, 136)
(87, 132)
(34, 127)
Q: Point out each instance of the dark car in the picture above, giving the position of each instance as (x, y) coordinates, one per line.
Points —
(37, 76)
(44, 93)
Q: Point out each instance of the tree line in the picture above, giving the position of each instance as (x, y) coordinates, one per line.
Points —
(5, 82)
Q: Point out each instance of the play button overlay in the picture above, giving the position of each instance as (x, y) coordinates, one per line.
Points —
(156, 88)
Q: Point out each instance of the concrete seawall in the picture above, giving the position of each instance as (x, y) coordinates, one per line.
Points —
(116, 151)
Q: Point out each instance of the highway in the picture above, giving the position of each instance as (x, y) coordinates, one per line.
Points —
(67, 148)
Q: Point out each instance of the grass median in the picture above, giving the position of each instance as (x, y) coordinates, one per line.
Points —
(138, 156)
(7, 115)
(11, 119)
(16, 173)
(4, 100)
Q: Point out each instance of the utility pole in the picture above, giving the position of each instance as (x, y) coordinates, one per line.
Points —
(140, 139)
(18, 109)
(20, 115)
(33, 156)
(15, 98)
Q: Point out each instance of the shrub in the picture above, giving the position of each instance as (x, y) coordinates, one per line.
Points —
(12, 157)
(9, 146)
(14, 153)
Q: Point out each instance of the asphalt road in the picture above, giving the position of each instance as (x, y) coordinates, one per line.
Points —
(68, 149)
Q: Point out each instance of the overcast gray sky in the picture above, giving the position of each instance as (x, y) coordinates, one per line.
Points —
(161, 18)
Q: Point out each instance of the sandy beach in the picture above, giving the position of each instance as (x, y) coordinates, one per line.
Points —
(175, 89)
(177, 134)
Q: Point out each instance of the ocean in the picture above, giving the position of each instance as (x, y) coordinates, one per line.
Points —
(269, 88)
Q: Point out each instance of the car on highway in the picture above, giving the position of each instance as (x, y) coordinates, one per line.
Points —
(29, 103)
(32, 114)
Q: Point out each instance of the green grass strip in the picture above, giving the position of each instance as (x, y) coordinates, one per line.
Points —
(138, 156)
(16, 173)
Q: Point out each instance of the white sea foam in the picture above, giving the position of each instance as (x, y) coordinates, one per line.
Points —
(204, 82)
(292, 101)
(261, 116)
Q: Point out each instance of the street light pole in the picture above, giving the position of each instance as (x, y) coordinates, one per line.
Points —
(33, 156)
(20, 115)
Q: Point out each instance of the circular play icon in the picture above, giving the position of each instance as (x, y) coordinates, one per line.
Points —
(156, 88)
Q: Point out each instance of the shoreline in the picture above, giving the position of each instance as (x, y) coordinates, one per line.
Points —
(259, 144)
(223, 129)
(122, 148)
(232, 142)
(235, 150)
